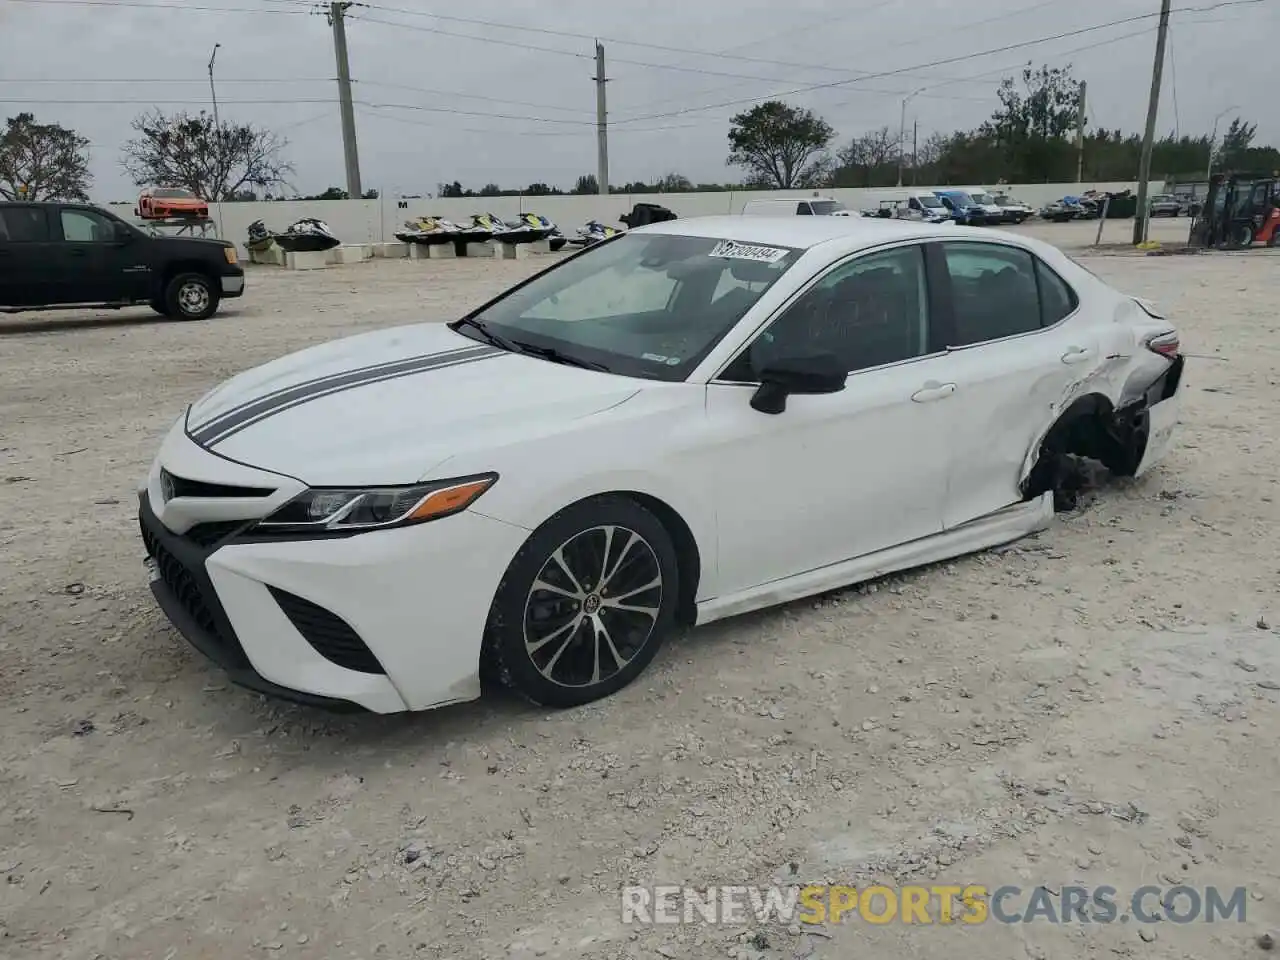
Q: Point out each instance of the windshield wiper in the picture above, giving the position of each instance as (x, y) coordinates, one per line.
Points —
(502, 343)
(519, 346)
(559, 356)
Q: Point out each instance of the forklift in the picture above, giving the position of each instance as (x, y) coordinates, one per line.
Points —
(1241, 209)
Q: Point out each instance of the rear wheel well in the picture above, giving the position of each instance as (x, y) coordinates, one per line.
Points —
(1090, 427)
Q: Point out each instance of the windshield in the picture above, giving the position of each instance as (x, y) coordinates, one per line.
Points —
(825, 208)
(983, 198)
(641, 305)
(173, 194)
(931, 202)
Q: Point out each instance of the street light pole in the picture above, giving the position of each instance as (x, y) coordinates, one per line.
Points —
(902, 130)
(213, 93)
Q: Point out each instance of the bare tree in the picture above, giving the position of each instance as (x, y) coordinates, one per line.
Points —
(42, 161)
(213, 162)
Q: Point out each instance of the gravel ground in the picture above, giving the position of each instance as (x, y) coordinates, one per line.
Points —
(1096, 705)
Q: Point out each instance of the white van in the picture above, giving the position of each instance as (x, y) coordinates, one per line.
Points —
(925, 206)
(788, 207)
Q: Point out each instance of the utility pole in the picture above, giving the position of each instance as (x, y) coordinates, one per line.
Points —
(902, 130)
(602, 125)
(349, 153)
(1149, 135)
(1080, 119)
(915, 150)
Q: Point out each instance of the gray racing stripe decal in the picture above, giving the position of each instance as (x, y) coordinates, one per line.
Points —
(245, 416)
(233, 413)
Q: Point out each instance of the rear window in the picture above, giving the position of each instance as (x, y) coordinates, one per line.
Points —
(825, 208)
(23, 225)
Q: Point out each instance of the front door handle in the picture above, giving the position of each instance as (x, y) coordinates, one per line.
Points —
(933, 391)
(1077, 355)
(77, 251)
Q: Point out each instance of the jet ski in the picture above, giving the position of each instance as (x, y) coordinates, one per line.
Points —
(259, 237)
(502, 231)
(428, 230)
(306, 235)
(540, 228)
(593, 231)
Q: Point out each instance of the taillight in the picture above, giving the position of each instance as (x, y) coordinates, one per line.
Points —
(1165, 344)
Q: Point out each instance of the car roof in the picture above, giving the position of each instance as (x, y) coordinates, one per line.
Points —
(798, 232)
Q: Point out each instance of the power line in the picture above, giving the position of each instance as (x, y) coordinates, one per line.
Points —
(138, 5)
(435, 125)
(924, 66)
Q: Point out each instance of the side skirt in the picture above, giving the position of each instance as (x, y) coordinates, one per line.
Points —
(1003, 526)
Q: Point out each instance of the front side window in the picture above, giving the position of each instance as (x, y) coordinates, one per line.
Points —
(802, 209)
(825, 208)
(643, 305)
(868, 312)
(993, 290)
(85, 226)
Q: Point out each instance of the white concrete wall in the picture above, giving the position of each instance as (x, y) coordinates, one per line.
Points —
(375, 221)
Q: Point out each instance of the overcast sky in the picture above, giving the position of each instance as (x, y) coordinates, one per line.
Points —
(440, 100)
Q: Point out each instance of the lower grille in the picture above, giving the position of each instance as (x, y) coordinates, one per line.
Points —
(331, 636)
(211, 534)
(190, 585)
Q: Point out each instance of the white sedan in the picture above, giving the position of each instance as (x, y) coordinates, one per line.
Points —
(691, 420)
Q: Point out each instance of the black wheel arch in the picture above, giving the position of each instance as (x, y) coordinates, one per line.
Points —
(177, 267)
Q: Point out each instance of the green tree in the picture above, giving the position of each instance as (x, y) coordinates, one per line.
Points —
(780, 145)
(42, 161)
(586, 185)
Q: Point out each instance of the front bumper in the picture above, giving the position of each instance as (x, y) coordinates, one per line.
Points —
(388, 620)
(233, 286)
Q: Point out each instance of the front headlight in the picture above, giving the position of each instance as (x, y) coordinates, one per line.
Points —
(329, 510)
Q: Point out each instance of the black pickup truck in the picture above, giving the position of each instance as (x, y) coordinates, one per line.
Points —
(55, 256)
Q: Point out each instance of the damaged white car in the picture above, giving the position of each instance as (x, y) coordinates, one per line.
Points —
(691, 420)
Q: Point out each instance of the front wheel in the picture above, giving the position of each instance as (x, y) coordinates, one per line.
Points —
(585, 604)
(190, 296)
(1241, 236)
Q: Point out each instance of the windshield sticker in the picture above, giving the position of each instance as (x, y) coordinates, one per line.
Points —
(732, 250)
(660, 358)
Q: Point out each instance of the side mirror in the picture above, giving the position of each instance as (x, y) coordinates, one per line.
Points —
(122, 233)
(815, 373)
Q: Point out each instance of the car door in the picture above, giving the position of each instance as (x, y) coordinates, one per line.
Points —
(840, 475)
(95, 264)
(25, 270)
(1017, 348)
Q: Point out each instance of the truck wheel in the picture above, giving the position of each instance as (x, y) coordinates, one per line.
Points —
(190, 296)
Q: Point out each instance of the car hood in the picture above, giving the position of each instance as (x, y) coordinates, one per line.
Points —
(389, 407)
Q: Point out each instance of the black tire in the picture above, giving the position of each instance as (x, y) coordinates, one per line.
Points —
(1241, 237)
(191, 296)
(522, 645)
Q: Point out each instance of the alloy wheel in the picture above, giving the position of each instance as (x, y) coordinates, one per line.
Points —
(593, 606)
(193, 297)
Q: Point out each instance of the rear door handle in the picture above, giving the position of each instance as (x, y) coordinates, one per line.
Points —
(1077, 355)
(76, 251)
(933, 391)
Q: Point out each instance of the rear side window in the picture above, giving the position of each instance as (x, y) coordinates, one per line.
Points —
(23, 225)
(993, 290)
(1057, 300)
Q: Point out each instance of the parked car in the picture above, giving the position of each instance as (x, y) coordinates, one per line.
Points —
(1060, 211)
(1014, 211)
(926, 207)
(991, 210)
(782, 206)
(964, 209)
(69, 255)
(163, 203)
(1165, 205)
(544, 488)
